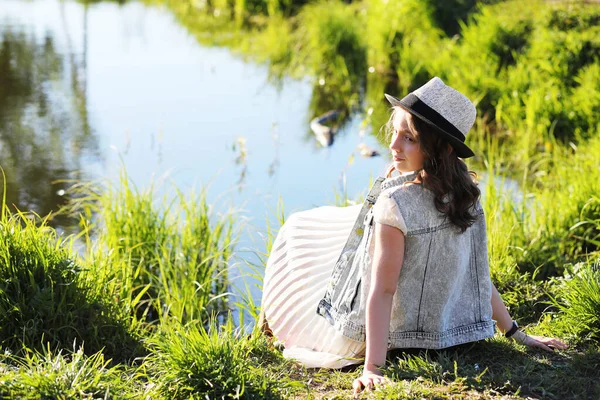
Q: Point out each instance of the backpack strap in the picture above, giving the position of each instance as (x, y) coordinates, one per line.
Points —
(358, 229)
(342, 274)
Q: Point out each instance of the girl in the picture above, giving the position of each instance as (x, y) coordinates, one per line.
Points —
(413, 270)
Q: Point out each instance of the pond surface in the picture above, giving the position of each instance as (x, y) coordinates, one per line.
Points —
(86, 90)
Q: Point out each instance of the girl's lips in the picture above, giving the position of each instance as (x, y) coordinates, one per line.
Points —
(398, 159)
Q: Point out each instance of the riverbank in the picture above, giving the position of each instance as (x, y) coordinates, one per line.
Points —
(144, 310)
(131, 318)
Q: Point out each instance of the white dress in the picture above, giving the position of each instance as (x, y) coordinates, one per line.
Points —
(297, 273)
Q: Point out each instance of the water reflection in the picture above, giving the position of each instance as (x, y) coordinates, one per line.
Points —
(44, 127)
(325, 47)
(241, 159)
(276, 143)
(325, 133)
(164, 103)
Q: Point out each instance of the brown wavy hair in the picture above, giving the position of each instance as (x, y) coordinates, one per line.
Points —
(454, 187)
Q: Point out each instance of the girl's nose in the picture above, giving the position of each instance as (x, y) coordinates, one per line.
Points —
(395, 143)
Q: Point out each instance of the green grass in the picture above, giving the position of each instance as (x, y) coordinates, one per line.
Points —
(68, 375)
(170, 253)
(578, 301)
(218, 362)
(494, 368)
(49, 298)
(200, 358)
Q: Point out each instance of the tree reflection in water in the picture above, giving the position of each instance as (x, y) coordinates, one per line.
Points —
(44, 130)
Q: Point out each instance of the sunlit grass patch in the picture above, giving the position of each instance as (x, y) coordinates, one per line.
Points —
(68, 375)
(578, 303)
(552, 219)
(400, 48)
(493, 368)
(171, 254)
(277, 43)
(562, 229)
(331, 49)
(218, 362)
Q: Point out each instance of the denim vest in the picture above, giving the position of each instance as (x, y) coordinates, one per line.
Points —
(443, 297)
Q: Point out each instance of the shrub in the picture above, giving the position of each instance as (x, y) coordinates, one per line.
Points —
(449, 13)
(574, 17)
(477, 62)
(48, 298)
(194, 362)
(399, 48)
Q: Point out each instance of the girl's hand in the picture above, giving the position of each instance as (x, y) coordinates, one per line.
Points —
(369, 380)
(541, 342)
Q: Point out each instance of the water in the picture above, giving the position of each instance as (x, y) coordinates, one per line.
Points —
(86, 90)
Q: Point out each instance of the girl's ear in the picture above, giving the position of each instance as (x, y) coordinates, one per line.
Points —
(450, 149)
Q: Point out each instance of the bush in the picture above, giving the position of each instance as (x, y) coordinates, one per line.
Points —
(574, 17)
(477, 62)
(216, 363)
(448, 14)
(48, 298)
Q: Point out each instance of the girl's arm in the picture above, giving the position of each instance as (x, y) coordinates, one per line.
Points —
(387, 262)
(499, 312)
(504, 323)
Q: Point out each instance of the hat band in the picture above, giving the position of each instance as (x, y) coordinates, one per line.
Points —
(412, 102)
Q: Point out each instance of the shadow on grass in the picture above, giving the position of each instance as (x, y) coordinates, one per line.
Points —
(498, 366)
(51, 301)
(68, 321)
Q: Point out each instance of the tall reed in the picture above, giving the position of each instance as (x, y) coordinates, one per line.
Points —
(171, 254)
(578, 302)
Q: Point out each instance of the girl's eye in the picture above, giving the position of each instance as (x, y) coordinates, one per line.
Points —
(408, 139)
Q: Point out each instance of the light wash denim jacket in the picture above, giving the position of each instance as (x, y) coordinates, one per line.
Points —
(443, 296)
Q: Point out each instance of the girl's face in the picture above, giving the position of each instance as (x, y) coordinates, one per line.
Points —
(405, 146)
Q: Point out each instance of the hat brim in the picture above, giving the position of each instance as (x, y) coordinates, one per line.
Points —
(462, 150)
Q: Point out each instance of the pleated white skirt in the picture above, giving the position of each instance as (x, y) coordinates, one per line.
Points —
(297, 274)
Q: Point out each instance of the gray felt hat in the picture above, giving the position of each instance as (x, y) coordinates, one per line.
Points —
(444, 108)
